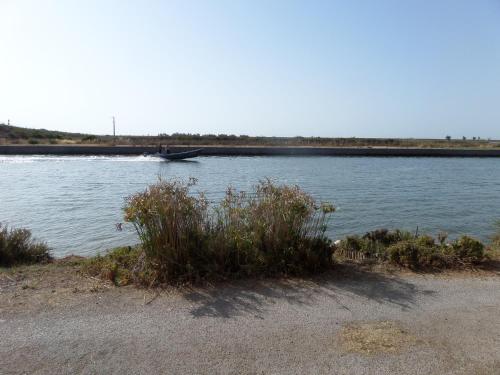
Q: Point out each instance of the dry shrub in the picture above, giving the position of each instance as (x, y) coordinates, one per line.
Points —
(18, 247)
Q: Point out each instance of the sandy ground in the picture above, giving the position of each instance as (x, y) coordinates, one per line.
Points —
(54, 321)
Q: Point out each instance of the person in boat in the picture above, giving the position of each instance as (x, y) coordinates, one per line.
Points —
(162, 150)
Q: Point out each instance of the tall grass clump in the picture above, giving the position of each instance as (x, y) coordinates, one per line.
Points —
(173, 228)
(18, 247)
(272, 230)
(276, 229)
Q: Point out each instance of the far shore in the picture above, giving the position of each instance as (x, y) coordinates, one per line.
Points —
(224, 150)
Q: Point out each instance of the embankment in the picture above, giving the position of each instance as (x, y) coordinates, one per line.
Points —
(248, 151)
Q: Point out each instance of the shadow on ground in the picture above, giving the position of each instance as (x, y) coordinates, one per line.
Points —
(254, 296)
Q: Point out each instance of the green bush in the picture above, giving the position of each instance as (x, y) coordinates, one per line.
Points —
(373, 244)
(353, 243)
(417, 253)
(18, 247)
(407, 250)
(466, 250)
(274, 230)
(387, 237)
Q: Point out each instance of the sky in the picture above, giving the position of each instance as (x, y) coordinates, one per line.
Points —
(385, 68)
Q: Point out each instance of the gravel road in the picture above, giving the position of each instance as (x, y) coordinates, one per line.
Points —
(369, 323)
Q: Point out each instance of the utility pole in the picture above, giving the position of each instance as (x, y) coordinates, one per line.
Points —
(114, 131)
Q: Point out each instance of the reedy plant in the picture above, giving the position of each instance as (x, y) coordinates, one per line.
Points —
(273, 230)
(277, 229)
(172, 227)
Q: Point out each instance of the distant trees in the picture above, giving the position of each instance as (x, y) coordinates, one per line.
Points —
(464, 138)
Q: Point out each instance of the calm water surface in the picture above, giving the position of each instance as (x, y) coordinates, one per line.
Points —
(73, 203)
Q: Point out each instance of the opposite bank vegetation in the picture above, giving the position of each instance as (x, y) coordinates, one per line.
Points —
(20, 135)
(275, 230)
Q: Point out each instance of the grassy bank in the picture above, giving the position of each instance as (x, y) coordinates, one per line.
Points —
(273, 230)
(422, 254)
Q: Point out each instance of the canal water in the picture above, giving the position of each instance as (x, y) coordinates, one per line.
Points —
(74, 203)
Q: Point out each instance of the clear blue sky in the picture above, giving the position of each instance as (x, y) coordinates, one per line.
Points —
(385, 68)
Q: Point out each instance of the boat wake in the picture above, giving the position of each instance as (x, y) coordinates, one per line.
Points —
(21, 159)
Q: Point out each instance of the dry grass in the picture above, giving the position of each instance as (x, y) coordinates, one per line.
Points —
(40, 286)
(375, 338)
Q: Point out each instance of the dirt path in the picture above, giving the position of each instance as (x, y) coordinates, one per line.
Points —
(366, 323)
